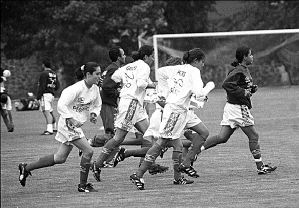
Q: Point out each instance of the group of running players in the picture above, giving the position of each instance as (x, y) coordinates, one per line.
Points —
(179, 89)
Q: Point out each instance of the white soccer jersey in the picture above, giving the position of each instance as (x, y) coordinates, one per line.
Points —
(134, 78)
(163, 74)
(78, 101)
(183, 84)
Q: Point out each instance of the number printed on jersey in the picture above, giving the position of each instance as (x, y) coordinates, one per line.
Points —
(52, 80)
(177, 82)
(129, 76)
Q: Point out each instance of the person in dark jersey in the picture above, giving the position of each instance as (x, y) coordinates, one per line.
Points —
(239, 88)
(47, 85)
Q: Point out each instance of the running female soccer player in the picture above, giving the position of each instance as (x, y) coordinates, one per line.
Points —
(77, 102)
(182, 85)
(135, 79)
(239, 88)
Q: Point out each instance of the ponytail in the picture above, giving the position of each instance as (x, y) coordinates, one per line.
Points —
(79, 73)
(88, 67)
(186, 57)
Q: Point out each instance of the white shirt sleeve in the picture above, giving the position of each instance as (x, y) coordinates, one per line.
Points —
(67, 97)
(197, 84)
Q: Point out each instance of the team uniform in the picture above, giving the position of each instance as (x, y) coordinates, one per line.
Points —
(178, 83)
(47, 85)
(237, 109)
(185, 83)
(237, 114)
(134, 78)
(76, 101)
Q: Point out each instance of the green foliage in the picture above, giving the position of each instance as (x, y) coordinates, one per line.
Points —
(74, 32)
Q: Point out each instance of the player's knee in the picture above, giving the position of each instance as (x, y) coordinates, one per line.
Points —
(60, 159)
(88, 153)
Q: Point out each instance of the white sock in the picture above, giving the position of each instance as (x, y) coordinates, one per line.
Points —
(50, 128)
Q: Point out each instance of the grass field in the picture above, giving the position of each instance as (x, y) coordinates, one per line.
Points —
(227, 172)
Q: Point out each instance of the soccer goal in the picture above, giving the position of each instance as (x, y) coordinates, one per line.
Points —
(276, 53)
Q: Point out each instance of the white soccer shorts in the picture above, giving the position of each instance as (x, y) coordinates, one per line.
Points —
(236, 116)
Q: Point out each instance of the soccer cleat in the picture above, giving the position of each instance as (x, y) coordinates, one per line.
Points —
(23, 173)
(188, 170)
(182, 181)
(86, 188)
(163, 151)
(120, 156)
(96, 172)
(47, 133)
(139, 182)
(156, 168)
(266, 169)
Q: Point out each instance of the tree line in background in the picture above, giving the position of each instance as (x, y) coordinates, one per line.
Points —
(71, 33)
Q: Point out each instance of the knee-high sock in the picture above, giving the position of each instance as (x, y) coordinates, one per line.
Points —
(43, 162)
(256, 152)
(195, 149)
(84, 169)
(177, 159)
(145, 144)
(106, 151)
(149, 159)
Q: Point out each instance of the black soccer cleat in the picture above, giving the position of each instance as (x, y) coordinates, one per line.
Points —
(265, 169)
(120, 156)
(182, 181)
(156, 168)
(188, 170)
(138, 182)
(23, 173)
(86, 188)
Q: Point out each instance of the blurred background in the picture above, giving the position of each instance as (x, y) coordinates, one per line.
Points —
(71, 33)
